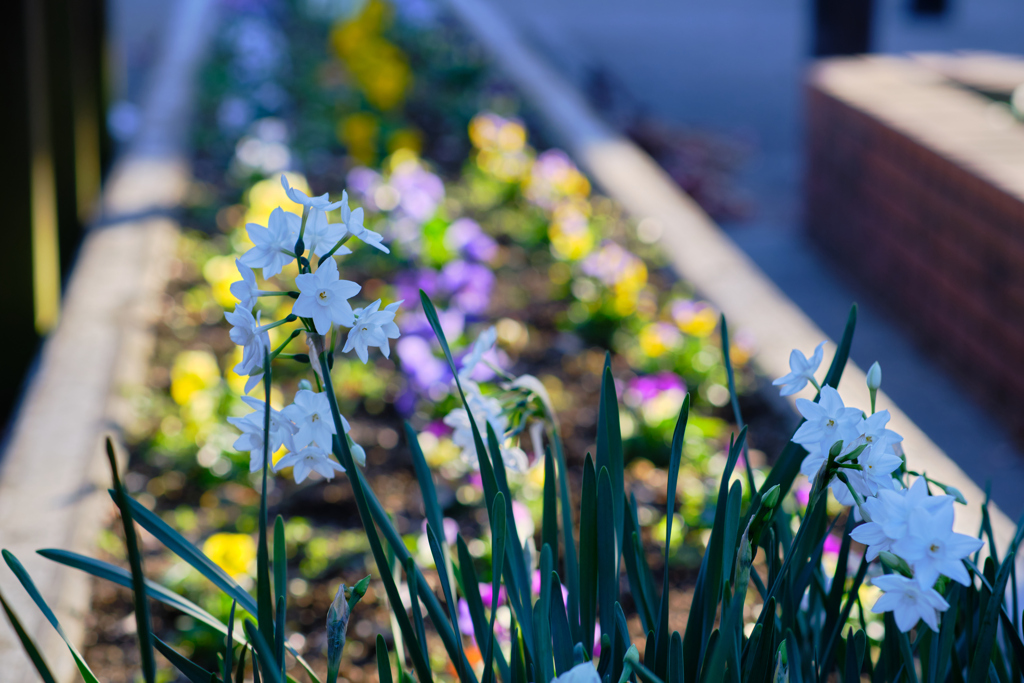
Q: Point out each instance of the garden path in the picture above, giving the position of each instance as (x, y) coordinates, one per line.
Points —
(737, 67)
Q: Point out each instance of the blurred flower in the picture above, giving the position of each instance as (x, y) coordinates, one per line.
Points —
(193, 371)
(656, 339)
(245, 290)
(484, 343)
(466, 237)
(234, 553)
(569, 232)
(420, 363)
(360, 133)
(555, 177)
(658, 397)
(470, 285)
(695, 318)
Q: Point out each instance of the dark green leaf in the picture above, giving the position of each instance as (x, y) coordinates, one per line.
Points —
(177, 544)
(588, 556)
(280, 586)
(383, 665)
(30, 588)
(27, 643)
(735, 400)
(229, 648)
(572, 575)
(141, 604)
(549, 518)
(461, 665)
(609, 452)
(190, 669)
(607, 568)
(675, 456)
(264, 593)
(561, 637)
(268, 666)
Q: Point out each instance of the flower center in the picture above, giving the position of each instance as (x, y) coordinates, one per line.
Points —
(323, 295)
(315, 417)
(869, 438)
(830, 423)
(934, 547)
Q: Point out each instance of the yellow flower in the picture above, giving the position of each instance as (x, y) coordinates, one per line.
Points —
(221, 272)
(359, 132)
(234, 553)
(193, 371)
(657, 339)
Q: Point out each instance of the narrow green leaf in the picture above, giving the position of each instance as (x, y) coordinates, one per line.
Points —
(735, 401)
(631, 554)
(990, 612)
(855, 646)
(31, 649)
(30, 588)
(561, 636)
(572, 574)
(518, 663)
(609, 450)
(383, 663)
(461, 664)
(675, 456)
(499, 533)
(909, 668)
(607, 569)
(588, 556)
(543, 633)
(411, 578)
(141, 604)
(229, 648)
(264, 594)
(621, 638)
(425, 479)
(549, 518)
(188, 668)
(177, 544)
(280, 586)
(470, 585)
(370, 511)
(269, 668)
(675, 659)
(240, 670)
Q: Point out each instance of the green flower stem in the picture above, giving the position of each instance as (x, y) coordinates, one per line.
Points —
(290, 319)
(335, 248)
(277, 352)
(302, 229)
(273, 293)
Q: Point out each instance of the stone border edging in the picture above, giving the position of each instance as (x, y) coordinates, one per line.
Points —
(53, 475)
(700, 251)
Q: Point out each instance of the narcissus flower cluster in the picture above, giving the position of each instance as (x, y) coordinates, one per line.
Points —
(907, 526)
(305, 428)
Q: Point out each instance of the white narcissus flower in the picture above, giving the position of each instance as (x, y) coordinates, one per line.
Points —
(321, 236)
(828, 421)
(909, 602)
(311, 413)
(247, 333)
(581, 673)
(801, 371)
(323, 297)
(251, 439)
(245, 290)
(484, 343)
(931, 547)
(270, 243)
(353, 221)
(889, 514)
(309, 459)
(281, 428)
(323, 202)
(369, 330)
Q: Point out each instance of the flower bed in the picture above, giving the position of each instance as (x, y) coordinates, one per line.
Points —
(497, 233)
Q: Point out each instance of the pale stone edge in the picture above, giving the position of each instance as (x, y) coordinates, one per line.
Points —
(53, 475)
(701, 253)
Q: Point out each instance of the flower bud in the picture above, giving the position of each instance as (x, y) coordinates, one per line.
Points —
(874, 376)
(337, 624)
(895, 563)
(305, 384)
(771, 498)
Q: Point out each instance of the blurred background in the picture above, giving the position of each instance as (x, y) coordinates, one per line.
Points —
(719, 93)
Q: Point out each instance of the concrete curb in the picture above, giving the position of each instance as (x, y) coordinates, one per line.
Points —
(700, 251)
(53, 474)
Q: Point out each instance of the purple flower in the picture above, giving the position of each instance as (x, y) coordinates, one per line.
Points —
(419, 362)
(451, 530)
(609, 264)
(438, 428)
(419, 190)
(470, 285)
(409, 283)
(453, 322)
(466, 237)
(362, 181)
(643, 389)
(465, 619)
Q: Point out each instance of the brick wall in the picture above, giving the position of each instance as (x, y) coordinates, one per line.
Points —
(915, 186)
